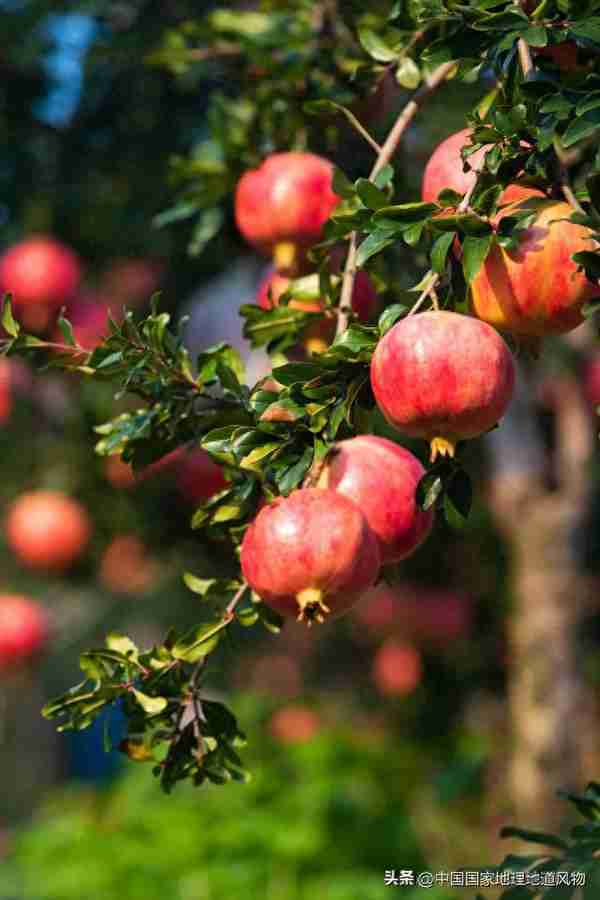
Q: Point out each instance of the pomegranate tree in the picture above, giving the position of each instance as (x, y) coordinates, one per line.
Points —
(443, 377)
(310, 554)
(47, 530)
(24, 629)
(381, 478)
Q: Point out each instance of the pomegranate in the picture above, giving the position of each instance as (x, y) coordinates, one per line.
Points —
(294, 724)
(310, 554)
(536, 289)
(284, 203)
(397, 668)
(126, 567)
(445, 168)
(39, 270)
(118, 473)
(443, 377)
(381, 477)
(198, 477)
(24, 629)
(47, 530)
(132, 282)
(88, 316)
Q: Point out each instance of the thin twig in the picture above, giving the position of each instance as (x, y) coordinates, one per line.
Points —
(569, 194)
(425, 293)
(386, 153)
(230, 608)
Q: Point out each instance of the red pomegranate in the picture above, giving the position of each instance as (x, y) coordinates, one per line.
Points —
(47, 530)
(24, 629)
(310, 554)
(364, 296)
(443, 377)
(198, 477)
(39, 270)
(284, 203)
(397, 668)
(294, 724)
(445, 167)
(536, 289)
(381, 477)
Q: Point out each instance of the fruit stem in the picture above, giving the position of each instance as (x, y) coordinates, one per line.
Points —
(387, 151)
(441, 446)
(284, 256)
(312, 607)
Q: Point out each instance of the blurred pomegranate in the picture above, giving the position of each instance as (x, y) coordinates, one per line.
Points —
(119, 474)
(294, 724)
(397, 668)
(198, 477)
(23, 629)
(435, 615)
(39, 271)
(131, 282)
(88, 315)
(47, 530)
(126, 567)
(274, 674)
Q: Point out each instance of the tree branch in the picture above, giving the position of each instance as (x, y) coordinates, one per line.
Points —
(386, 153)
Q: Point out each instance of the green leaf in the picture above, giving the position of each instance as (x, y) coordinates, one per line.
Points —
(293, 373)
(151, 705)
(439, 251)
(375, 46)
(581, 128)
(534, 837)
(535, 36)
(66, 330)
(120, 643)
(370, 195)
(384, 176)
(390, 316)
(475, 250)
(408, 74)
(377, 241)
(342, 185)
(200, 586)
(9, 323)
(407, 213)
(429, 489)
(199, 642)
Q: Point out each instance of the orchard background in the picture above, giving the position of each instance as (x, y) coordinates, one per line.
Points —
(460, 693)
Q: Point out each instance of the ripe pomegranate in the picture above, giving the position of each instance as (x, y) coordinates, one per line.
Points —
(284, 203)
(294, 724)
(565, 55)
(397, 669)
(536, 289)
(126, 567)
(165, 464)
(47, 530)
(198, 477)
(381, 477)
(5, 390)
(24, 629)
(443, 377)
(435, 615)
(310, 554)
(39, 270)
(445, 167)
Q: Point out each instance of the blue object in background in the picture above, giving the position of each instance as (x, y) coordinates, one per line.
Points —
(86, 758)
(70, 35)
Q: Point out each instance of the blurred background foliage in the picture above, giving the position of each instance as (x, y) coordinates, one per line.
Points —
(382, 760)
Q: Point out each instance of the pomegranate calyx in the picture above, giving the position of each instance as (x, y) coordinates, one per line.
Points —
(442, 446)
(284, 256)
(312, 607)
